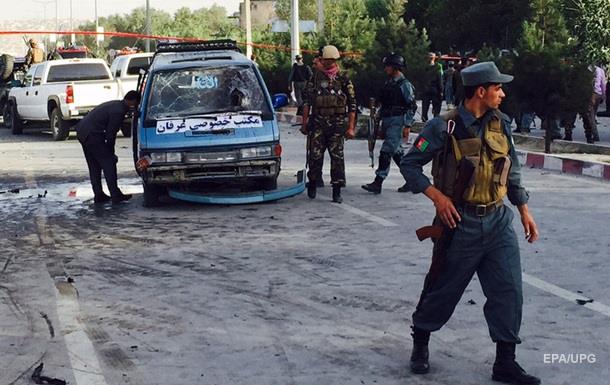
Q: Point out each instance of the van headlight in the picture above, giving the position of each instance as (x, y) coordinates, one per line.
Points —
(256, 152)
(166, 157)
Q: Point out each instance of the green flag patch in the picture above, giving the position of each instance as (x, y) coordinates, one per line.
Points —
(422, 144)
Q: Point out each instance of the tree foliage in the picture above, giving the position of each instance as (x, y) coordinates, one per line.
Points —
(546, 29)
(469, 24)
(589, 22)
(394, 35)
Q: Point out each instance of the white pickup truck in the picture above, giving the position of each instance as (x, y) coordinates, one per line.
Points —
(60, 92)
(126, 70)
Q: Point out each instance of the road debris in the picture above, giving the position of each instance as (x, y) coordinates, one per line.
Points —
(38, 378)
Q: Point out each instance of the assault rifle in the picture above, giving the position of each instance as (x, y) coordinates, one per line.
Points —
(373, 126)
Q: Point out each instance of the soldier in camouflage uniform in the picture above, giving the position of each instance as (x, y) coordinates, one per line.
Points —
(329, 98)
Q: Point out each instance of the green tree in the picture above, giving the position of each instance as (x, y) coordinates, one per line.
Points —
(546, 29)
(469, 24)
(589, 22)
(393, 35)
(308, 9)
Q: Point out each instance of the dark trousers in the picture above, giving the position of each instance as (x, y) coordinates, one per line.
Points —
(100, 157)
(436, 102)
(487, 246)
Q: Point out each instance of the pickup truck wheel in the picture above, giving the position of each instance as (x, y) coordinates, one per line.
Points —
(59, 127)
(14, 120)
(151, 194)
(6, 115)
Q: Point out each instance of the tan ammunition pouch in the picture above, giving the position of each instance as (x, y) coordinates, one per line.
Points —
(329, 97)
(491, 160)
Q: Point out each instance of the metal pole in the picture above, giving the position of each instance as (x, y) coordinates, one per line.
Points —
(97, 25)
(72, 37)
(147, 41)
(321, 17)
(248, 15)
(57, 15)
(295, 41)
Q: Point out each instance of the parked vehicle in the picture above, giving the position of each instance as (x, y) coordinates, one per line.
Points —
(126, 70)
(12, 73)
(72, 52)
(60, 92)
(206, 117)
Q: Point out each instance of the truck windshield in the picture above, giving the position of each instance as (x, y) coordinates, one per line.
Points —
(207, 90)
(77, 71)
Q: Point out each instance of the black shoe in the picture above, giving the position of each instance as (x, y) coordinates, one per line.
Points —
(420, 354)
(337, 194)
(507, 370)
(403, 189)
(311, 191)
(374, 187)
(121, 198)
(590, 140)
(319, 183)
(101, 198)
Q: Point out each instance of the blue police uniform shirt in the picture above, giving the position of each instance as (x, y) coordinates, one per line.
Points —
(408, 92)
(434, 135)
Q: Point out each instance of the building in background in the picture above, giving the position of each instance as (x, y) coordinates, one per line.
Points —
(263, 13)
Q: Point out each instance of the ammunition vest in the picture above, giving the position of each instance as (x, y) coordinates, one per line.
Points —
(489, 153)
(393, 102)
(329, 98)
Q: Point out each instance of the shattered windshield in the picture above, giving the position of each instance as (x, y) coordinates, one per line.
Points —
(205, 90)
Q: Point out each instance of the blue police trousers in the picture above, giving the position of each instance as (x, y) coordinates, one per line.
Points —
(392, 145)
(488, 246)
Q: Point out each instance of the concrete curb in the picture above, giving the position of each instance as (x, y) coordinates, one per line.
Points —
(552, 162)
(562, 163)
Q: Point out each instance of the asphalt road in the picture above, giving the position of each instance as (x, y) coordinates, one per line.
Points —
(291, 292)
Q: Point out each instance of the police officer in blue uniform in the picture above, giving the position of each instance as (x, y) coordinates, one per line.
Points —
(474, 167)
(397, 115)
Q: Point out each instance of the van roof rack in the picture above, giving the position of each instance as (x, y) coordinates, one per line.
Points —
(197, 46)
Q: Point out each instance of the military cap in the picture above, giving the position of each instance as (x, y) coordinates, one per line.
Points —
(484, 72)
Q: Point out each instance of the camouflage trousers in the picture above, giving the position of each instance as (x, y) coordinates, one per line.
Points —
(320, 140)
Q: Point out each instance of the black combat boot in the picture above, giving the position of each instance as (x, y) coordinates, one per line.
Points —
(507, 370)
(404, 188)
(419, 355)
(374, 187)
(102, 198)
(311, 190)
(337, 194)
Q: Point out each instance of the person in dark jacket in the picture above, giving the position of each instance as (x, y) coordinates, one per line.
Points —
(97, 134)
(433, 89)
(299, 76)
